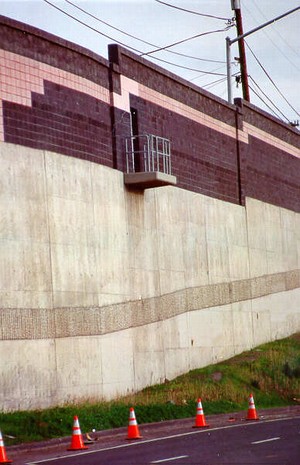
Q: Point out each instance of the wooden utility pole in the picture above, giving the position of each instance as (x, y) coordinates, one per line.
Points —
(229, 42)
(235, 5)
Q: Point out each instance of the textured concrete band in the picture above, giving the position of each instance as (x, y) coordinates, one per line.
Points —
(23, 323)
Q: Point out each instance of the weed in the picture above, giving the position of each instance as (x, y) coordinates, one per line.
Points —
(271, 372)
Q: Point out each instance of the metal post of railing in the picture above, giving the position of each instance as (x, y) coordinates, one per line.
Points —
(165, 151)
(151, 154)
(126, 151)
(132, 155)
(148, 168)
(157, 152)
(149, 139)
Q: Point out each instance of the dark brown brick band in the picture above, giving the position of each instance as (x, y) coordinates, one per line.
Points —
(58, 96)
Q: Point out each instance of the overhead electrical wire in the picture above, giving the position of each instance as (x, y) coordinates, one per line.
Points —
(202, 75)
(272, 41)
(138, 38)
(264, 70)
(192, 11)
(195, 58)
(204, 72)
(185, 40)
(90, 27)
(188, 68)
(128, 46)
(271, 80)
(107, 24)
(214, 83)
(209, 85)
(265, 103)
(268, 98)
(278, 33)
(262, 100)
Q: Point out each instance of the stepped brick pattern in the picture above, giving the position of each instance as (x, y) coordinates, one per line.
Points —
(60, 97)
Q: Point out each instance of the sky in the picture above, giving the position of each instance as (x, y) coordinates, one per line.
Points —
(143, 26)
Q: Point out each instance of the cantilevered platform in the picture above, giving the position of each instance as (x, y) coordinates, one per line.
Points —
(146, 180)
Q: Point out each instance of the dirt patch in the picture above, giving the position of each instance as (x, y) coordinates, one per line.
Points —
(217, 376)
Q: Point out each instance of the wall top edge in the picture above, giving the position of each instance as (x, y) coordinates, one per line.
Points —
(239, 102)
(47, 36)
(117, 52)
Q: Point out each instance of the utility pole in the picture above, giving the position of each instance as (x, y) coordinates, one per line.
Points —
(235, 5)
(229, 42)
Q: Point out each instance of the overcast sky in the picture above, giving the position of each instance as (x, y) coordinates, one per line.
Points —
(273, 53)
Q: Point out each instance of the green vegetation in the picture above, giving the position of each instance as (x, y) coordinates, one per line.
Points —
(271, 372)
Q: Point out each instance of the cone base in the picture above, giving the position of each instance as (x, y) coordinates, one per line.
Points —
(136, 437)
(5, 461)
(252, 419)
(77, 448)
(201, 426)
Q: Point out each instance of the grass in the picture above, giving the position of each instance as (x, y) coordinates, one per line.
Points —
(271, 372)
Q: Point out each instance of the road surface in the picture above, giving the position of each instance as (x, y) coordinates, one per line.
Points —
(273, 440)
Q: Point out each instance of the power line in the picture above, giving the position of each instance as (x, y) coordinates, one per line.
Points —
(278, 33)
(195, 58)
(262, 100)
(272, 41)
(107, 24)
(214, 83)
(186, 40)
(268, 98)
(265, 95)
(186, 67)
(138, 38)
(125, 45)
(269, 77)
(203, 74)
(192, 12)
(90, 27)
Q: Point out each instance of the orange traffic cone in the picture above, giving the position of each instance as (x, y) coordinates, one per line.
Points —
(252, 415)
(200, 418)
(3, 456)
(77, 440)
(133, 429)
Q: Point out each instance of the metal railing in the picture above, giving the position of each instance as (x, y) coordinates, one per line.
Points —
(148, 153)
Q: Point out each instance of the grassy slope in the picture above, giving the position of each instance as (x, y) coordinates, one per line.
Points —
(271, 372)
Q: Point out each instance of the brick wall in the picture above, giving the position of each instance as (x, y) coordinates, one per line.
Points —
(270, 161)
(203, 160)
(60, 97)
(220, 150)
(54, 95)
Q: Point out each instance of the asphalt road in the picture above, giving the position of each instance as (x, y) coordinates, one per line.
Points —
(273, 440)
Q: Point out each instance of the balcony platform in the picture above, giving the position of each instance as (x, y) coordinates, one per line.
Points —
(147, 180)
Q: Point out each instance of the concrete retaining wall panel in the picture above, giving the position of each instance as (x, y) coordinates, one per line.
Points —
(116, 290)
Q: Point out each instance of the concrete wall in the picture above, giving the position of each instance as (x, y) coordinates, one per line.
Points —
(105, 291)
